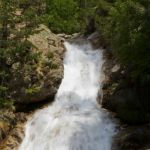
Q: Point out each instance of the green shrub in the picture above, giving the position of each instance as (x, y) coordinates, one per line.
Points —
(125, 25)
(61, 16)
(32, 90)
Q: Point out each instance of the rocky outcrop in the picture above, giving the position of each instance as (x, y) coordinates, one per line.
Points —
(130, 105)
(68, 37)
(39, 80)
(123, 96)
(94, 39)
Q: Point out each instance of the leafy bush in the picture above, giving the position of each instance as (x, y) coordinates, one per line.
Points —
(130, 36)
(61, 16)
(125, 25)
(32, 90)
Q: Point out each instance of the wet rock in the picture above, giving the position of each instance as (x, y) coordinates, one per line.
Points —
(68, 36)
(76, 35)
(64, 36)
(115, 68)
(94, 39)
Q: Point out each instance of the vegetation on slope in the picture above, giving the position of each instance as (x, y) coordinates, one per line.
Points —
(24, 66)
(123, 26)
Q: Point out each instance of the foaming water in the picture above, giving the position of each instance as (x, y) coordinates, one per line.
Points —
(75, 121)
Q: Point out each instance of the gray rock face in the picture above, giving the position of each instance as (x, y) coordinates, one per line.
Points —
(94, 39)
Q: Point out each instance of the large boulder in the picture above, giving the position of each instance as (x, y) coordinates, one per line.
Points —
(39, 80)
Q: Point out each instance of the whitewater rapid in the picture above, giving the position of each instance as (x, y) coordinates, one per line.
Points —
(75, 121)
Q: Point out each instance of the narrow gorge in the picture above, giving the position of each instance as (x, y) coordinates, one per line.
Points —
(74, 75)
(75, 120)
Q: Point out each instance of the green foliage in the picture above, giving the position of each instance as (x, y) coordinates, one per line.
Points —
(32, 90)
(49, 63)
(86, 12)
(131, 34)
(3, 88)
(6, 103)
(125, 25)
(61, 16)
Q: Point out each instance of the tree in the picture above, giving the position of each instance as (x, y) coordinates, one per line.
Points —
(130, 36)
(125, 26)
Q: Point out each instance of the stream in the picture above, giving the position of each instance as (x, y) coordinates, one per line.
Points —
(75, 121)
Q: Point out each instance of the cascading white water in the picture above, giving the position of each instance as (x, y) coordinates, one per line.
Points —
(75, 121)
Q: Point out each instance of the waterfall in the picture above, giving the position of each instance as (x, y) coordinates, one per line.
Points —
(75, 121)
